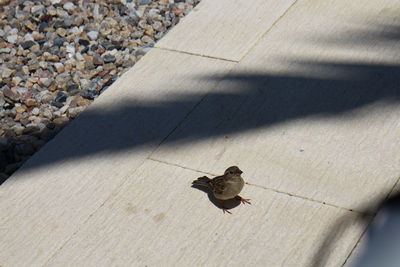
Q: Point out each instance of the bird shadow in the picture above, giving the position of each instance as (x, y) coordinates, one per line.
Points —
(221, 204)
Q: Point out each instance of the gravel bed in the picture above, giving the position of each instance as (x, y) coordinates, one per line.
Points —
(57, 56)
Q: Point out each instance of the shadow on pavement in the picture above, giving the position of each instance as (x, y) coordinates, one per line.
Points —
(381, 241)
(256, 100)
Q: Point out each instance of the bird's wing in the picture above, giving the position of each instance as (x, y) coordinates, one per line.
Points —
(218, 184)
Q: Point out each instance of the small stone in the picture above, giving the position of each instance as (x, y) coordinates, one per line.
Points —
(12, 39)
(84, 42)
(144, 2)
(53, 58)
(158, 35)
(137, 34)
(28, 44)
(33, 65)
(25, 70)
(71, 49)
(10, 94)
(74, 112)
(37, 8)
(79, 56)
(43, 64)
(43, 26)
(5, 50)
(47, 113)
(89, 94)
(157, 26)
(35, 111)
(93, 35)
(61, 121)
(59, 41)
(73, 89)
(69, 6)
(98, 60)
(61, 97)
(80, 101)
(19, 108)
(31, 26)
(32, 128)
(61, 32)
(30, 102)
(62, 13)
(149, 30)
(54, 2)
(59, 67)
(78, 21)
(109, 58)
(4, 2)
(18, 129)
(28, 37)
(38, 36)
(6, 72)
(147, 39)
(47, 98)
(45, 82)
(100, 50)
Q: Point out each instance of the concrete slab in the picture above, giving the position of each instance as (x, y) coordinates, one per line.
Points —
(225, 29)
(310, 114)
(157, 219)
(313, 110)
(44, 203)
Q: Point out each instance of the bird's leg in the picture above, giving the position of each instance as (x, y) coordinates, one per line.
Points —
(243, 200)
(224, 209)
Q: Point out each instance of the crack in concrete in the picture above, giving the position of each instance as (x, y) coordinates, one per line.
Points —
(269, 188)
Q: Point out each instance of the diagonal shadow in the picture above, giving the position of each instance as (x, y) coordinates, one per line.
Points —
(257, 100)
(381, 239)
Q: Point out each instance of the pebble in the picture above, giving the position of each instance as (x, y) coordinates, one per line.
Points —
(61, 97)
(93, 35)
(57, 56)
(74, 112)
(28, 44)
(35, 111)
(69, 6)
(6, 72)
(109, 58)
(59, 67)
(12, 39)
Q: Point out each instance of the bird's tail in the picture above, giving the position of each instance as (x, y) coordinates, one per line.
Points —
(202, 181)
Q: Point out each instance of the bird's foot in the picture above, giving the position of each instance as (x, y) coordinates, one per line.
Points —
(226, 210)
(222, 206)
(243, 200)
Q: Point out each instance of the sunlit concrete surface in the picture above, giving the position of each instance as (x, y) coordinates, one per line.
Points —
(307, 105)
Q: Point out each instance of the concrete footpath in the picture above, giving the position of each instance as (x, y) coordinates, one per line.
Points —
(302, 95)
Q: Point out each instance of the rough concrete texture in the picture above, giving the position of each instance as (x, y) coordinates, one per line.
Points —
(309, 113)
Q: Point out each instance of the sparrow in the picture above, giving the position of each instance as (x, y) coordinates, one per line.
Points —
(226, 186)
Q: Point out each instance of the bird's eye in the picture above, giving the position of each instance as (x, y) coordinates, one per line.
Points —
(231, 172)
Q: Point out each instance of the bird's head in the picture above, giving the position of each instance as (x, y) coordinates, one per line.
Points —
(233, 170)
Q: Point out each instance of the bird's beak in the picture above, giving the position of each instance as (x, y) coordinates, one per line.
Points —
(240, 172)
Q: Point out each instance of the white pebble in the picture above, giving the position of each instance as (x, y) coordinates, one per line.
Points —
(93, 35)
(35, 111)
(12, 39)
(71, 49)
(69, 6)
